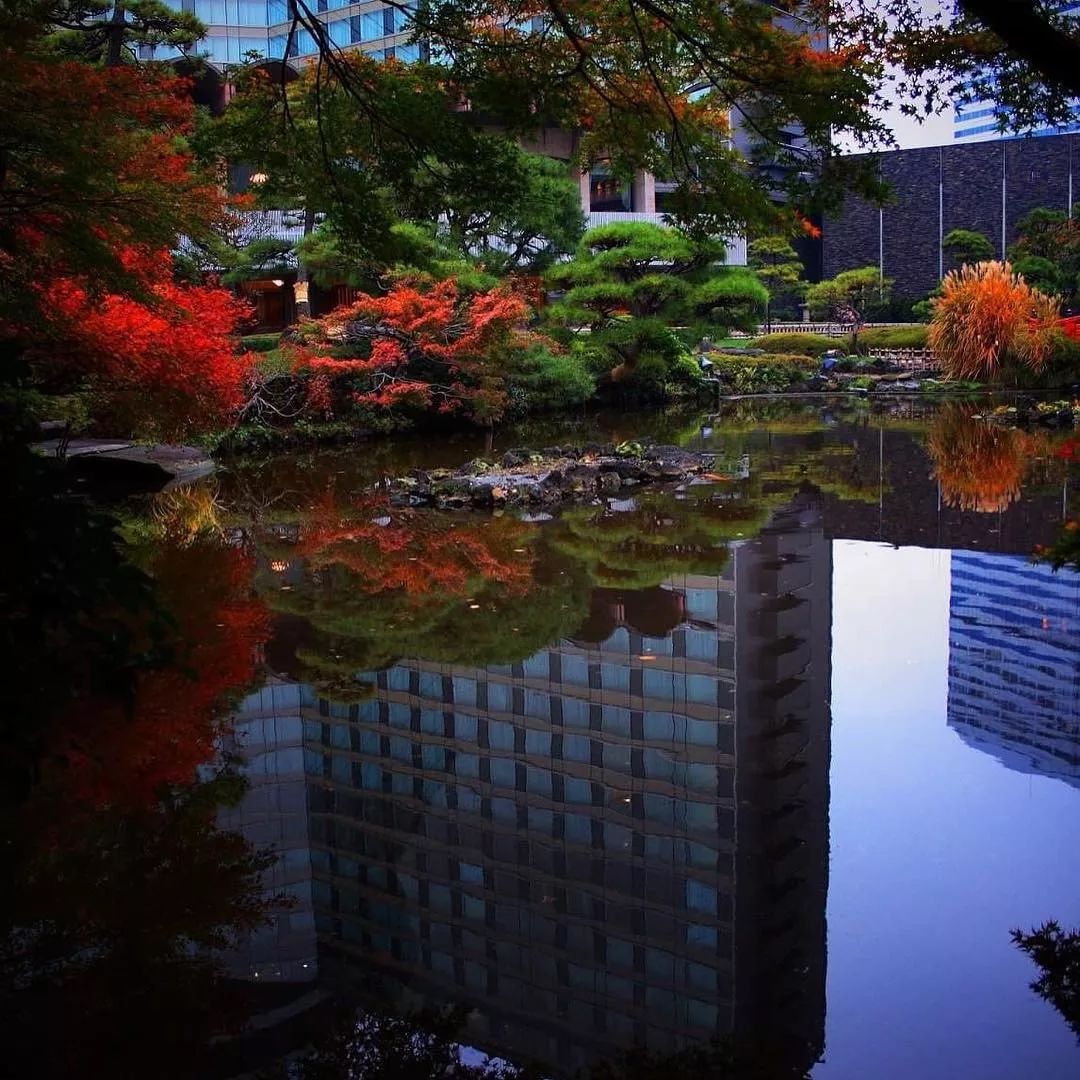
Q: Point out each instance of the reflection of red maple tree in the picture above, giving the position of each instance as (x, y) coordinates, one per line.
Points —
(420, 553)
(125, 753)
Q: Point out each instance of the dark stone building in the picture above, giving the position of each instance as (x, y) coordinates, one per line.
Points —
(987, 187)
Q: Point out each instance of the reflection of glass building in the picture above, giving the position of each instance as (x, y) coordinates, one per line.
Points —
(266, 740)
(1014, 662)
(609, 843)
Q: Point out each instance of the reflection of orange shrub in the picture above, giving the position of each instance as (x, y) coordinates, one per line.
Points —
(979, 465)
(987, 314)
(415, 551)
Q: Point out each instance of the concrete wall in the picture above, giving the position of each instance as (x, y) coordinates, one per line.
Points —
(986, 187)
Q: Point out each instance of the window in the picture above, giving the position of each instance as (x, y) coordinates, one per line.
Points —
(371, 26)
(499, 697)
(251, 12)
(467, 765)
(464, 691)
(575, 671)
(500, 735)
(538, 666)
(538, 742)
(578, 829)
(615, 721)
(537, 705)
(538, 781)
(701, 645)
(577, 791)
(576, 748)
(700, 897)
(615, 677)
(575, 712)
(658, 684)
(430, 685)
(210, 11)
(502, 772)
(433, 757)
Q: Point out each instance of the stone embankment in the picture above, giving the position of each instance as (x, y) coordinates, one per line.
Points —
(555, 475)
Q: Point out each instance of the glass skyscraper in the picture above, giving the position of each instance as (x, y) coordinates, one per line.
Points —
(975, 121)
(237, 28)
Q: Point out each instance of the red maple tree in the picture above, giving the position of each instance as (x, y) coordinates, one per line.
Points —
(163, 363)
(427, 345)
(98, 185)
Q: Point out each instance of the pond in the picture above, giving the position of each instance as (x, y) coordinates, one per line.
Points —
(765, 768)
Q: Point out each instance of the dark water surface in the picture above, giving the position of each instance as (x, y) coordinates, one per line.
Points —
(779, 759)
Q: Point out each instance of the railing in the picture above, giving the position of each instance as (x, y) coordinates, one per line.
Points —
(826, 329)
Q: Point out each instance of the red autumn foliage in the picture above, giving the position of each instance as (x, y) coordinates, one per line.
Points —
(95, 162)
(164, 364)
(427, 345)
(97, 187)
(124, 754)
(415, 552)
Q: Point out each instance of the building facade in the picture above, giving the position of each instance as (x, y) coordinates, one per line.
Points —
(238, 28)
(610, 843)
(986, 187)
(1014, 662)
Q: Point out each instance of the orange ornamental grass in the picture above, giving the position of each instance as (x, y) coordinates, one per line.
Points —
(979, 465)
(988, 315)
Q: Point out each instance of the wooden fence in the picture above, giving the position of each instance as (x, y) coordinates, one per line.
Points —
(908, 359)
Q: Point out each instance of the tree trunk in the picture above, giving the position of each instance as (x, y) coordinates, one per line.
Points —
(114, 53)
(300, 289)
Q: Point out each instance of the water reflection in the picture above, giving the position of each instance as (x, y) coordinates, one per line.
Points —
(614, 841)
(568, 774)
(1014, 662)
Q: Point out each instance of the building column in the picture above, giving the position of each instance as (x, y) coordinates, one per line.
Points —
(585, 186)
(643, 193)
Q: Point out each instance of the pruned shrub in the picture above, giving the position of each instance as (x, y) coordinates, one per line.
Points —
(815, 345)
(894, 337)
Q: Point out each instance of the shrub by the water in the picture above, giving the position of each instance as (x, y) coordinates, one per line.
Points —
(762, 374)
(814, 345)
(988, 318)
(894, 337)
(260, 343)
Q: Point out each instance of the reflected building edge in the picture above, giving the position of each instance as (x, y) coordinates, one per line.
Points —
(613, 843)
(1014, 662)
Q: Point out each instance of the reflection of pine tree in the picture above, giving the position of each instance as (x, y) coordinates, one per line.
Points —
(1056, 952)
(659, 538)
